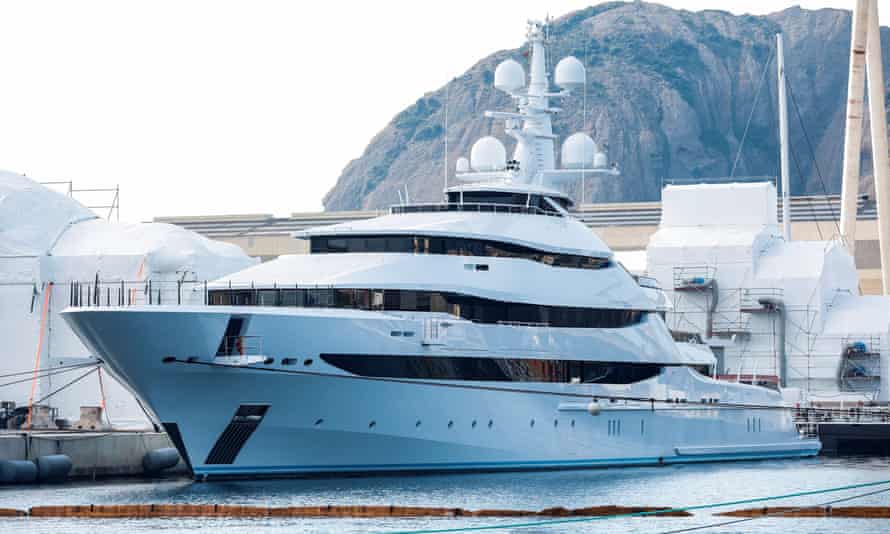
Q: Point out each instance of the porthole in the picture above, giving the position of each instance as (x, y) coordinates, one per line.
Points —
(307, 361)
(288, 361)
(417, 424)
(372, 424)
(319, 421)
(555, 423)
(573, 423)
(450, 424)
(532, 424)
(269, 361)
(490, 423)
(473, 424)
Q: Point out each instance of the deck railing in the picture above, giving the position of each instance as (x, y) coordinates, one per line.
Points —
(136, 293)
(471, 206)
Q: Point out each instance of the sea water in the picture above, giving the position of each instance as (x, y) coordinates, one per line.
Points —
(671, 486)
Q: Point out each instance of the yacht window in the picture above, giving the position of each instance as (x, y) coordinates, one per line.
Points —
(493, 369)
(268, 297)
(468, 307)
(453, 246)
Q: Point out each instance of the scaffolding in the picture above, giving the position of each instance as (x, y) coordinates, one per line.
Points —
(860, 367)
(101, 198)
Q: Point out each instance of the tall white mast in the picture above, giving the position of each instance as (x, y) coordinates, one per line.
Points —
(853, 128)
(878, 121)
(445, 135)
(783, 140)
(534, 158)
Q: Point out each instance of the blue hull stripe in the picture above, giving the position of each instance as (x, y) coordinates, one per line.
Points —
(542, 464)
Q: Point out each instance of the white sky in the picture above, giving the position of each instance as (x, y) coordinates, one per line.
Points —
(210, 107)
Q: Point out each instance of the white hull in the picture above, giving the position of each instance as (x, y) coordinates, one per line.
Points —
(322, 420)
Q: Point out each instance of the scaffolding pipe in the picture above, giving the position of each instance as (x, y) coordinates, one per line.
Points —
(712, 307)
(783, 140)
(878, 122)
(853, 128)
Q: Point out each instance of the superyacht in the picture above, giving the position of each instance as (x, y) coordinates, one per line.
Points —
(492, 331)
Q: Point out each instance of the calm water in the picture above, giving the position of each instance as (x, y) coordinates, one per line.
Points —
(665, 486)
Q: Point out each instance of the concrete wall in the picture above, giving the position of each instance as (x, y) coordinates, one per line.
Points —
(94, 454)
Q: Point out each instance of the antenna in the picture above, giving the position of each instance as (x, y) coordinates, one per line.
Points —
(447, 95)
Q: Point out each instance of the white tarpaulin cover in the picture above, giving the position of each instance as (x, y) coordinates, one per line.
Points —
(32, 216)
(738, 204)
(47, 237)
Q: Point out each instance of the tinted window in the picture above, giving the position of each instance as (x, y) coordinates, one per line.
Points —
(451, 246)
(468, 307)
(492, 369)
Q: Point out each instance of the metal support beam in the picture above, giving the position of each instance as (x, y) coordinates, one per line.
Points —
(783, 140)
(878, 122)
(853, 128)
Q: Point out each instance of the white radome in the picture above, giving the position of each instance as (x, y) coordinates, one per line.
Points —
(570, 74)
(578, 151)
(488, 154)
(462, 165)
(509, 76)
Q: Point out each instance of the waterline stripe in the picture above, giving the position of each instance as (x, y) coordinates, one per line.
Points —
(532, 524)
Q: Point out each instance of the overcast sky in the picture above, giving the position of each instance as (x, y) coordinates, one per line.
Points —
(212, 107)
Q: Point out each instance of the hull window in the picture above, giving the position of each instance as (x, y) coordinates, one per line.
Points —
(493, 369)
(468, 307)
(452, 246)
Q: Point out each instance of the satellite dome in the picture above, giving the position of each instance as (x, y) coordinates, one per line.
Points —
(578, 151)
(600, 161)
(488, 154)
(509, 76)
(570, 74)
(462, 165)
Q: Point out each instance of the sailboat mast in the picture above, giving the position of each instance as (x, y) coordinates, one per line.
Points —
(783, 140)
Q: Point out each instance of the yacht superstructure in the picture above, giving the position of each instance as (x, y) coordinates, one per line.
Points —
(491, 331)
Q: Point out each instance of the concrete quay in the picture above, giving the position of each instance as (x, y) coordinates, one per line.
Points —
(93, 454)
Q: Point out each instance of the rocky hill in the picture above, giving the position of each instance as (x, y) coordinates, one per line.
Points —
(669, 93)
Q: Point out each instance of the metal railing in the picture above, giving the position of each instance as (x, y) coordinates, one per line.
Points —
(754, 299)
(130, 293)
(471, 206)
(695, 277)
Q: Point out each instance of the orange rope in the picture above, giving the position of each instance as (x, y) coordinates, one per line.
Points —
(46, 294)
(139, 275)
(102, 391)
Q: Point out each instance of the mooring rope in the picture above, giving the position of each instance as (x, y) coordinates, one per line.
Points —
(44, 373)
(779, 513)
(47, 291)
(69, 384)
(534, 524)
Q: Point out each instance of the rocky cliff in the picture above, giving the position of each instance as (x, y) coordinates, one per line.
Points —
(669, 93)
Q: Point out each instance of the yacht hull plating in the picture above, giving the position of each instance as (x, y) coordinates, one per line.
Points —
(306, 417)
